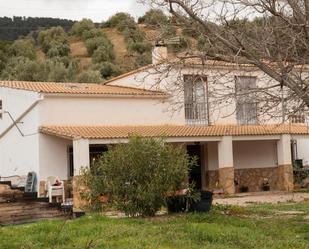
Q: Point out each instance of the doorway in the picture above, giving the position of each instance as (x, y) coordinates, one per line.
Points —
(195, 175)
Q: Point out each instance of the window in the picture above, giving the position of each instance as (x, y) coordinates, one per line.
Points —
(297, 119)
(246, 106)
(1, 109)
(195, 91)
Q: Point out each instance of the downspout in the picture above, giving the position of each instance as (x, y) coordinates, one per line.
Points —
(15, 122)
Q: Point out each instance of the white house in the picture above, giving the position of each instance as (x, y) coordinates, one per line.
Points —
(54, 129)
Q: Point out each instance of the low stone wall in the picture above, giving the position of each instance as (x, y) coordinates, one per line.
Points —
(253, 178)
(221, 179)
(279, 178)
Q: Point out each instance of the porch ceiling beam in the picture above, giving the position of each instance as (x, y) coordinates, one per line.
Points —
(259, 137)
(168, 139)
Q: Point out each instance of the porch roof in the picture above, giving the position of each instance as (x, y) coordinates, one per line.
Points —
(123, 132)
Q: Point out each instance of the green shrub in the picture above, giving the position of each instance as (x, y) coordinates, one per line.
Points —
(20, 68)
(96, 42)
(55, 34)
(143, 60)
(108, 69)
(92, 33)
(120, 21)
(89, 76)
(103, 53)
(154, 17)
(132, 33)
(82, 26)
(136, 176)
(139, 47)
(58, 49)
(23, 47)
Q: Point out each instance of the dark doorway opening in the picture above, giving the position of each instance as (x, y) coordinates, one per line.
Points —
(196, 172)
(95, 152)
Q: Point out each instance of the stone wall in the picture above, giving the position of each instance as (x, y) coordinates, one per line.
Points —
(254, 178)
(221, 179)
(279, 178)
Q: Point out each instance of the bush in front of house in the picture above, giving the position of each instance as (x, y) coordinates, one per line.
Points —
(137, 176)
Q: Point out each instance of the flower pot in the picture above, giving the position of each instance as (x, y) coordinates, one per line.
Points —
(176, 204)
(204, 204)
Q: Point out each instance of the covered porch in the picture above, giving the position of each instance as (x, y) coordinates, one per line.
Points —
(231, 158)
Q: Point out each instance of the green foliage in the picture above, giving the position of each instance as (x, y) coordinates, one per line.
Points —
(132, 33)
(3, 60)
(58, 49)
(92, 33)
(89, 76)
(52, 36)
(57, 69)
(120, 21)
(143, 59)
(139, 47)
(21, 68)
(23, 47)
(137, 176)
(82, 26)
(96, 42)
(103, 53)
(107, 69)
(154, 17)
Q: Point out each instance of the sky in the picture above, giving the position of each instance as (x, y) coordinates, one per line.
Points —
(97, 10)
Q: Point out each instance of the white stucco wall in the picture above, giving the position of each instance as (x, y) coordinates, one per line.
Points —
(106, 111)
(255, 154)
(53, 157)
(19, 155)
(303, 150)
(221, 112)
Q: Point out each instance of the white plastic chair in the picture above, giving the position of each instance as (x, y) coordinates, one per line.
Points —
(54, 191)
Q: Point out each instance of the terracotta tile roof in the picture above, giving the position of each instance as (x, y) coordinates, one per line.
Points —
(77, 88)
(118, 132)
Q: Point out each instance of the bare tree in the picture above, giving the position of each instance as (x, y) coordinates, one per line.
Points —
(272, 35)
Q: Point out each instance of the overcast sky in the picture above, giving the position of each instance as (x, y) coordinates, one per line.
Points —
(97, 10)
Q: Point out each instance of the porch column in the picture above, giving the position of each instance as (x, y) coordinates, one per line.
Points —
(226, 164)
(80, 155)
(285, 180)
(80, 159)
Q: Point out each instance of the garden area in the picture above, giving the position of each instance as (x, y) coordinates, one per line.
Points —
(257, 226)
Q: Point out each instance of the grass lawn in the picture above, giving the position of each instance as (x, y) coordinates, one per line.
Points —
(261, 226)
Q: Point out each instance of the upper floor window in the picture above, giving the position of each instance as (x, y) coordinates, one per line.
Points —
(196, 106)
(246, 105)
(297, 119)
(1, 109)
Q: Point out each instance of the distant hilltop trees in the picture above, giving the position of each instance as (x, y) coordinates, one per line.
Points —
(13, 28)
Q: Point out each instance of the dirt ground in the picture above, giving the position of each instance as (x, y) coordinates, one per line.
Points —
(246, 199)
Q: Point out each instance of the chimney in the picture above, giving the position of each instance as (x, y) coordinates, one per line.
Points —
(159, 54)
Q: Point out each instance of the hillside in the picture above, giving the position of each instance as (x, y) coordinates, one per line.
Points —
(86, 52)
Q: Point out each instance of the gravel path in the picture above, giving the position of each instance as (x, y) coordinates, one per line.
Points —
(262, 197)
